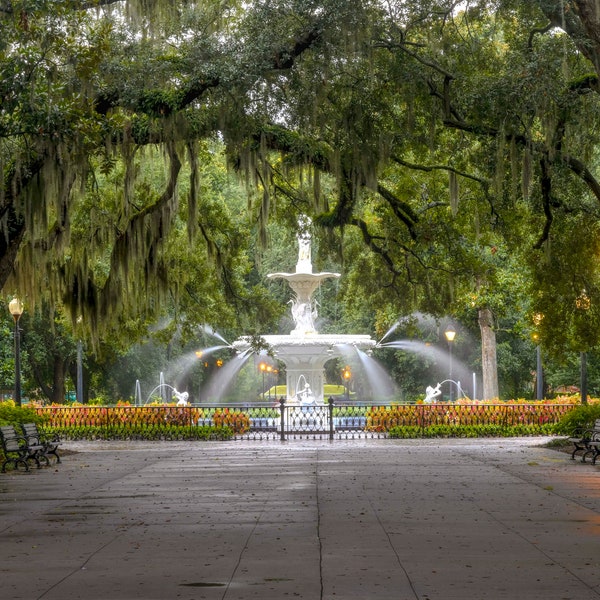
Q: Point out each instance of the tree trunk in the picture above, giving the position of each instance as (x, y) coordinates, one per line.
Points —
(489, 365)
(58, 386)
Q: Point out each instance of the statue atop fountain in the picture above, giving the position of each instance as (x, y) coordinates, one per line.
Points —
(304, 282)
(304, 264)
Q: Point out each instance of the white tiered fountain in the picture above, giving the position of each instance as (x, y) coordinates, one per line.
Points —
(305, 351)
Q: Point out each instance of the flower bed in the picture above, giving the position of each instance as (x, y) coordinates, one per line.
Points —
(131, 422)
(470, 419)
(402, 420)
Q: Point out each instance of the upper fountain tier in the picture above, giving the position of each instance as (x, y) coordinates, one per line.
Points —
(303, 283)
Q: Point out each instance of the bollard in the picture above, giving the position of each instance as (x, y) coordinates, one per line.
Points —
(282, 418)
(330, 401)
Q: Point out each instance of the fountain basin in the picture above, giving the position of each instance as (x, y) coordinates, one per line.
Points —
(305, 356)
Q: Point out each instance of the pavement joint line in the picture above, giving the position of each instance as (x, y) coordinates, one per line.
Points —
(512, 473)
(515, 531)
(391, 544)
(81, 567)
(321, 583)
(243, 550)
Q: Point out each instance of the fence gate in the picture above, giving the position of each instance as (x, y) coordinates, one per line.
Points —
(308, 420)
(293, 421)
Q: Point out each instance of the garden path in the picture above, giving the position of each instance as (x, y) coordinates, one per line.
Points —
(362, 519)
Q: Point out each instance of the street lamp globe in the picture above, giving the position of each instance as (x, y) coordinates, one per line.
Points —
(15, 307)
(450, 334)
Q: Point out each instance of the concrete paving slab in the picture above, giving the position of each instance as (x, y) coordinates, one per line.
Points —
(356, 519)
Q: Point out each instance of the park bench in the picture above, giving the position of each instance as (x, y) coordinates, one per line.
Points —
(594, 446)
(35, 437)
(17, 450)
(587, 441)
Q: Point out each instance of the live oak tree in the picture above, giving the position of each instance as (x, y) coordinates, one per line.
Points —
(493, 98)
(86, 84)
(434, 130)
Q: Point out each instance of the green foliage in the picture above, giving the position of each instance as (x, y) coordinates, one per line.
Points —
(578, 419)
(448, 159)
(350, 411)
(11, 414)
(150, 432)
(263, 412)
(471, 431)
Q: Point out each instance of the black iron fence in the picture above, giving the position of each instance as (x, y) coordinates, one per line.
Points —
(282, 421)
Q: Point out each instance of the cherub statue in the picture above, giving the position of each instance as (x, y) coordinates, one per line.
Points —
(431, 393)
(182, 398)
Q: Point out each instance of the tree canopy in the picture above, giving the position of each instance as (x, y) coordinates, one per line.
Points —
(452, 140)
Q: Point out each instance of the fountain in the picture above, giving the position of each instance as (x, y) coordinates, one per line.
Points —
(432, 394)
(163, 388)
(304, 351)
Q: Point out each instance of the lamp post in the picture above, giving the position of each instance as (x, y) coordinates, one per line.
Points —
(347, 374)
(79, 389)
(269, 371)
(583, 377)
(450, 335)
(539, 374)
(539, 370)
(583, 303)
(263, 368)
(275, 381)
(15, 306)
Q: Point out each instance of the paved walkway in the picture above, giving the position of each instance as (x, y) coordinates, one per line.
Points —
(370, 519)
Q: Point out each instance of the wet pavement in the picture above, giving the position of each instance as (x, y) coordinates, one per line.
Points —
(356, 519)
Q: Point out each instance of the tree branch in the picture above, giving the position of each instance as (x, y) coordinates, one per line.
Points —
(584, 173)
(485, 185)
(401, 209)
(369, 240)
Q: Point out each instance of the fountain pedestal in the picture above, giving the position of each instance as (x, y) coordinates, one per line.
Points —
(305, 357)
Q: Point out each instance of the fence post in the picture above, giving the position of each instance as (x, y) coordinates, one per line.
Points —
(330, 401)
(282, 418)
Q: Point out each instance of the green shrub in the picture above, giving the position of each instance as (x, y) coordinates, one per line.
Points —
(580, 417)
(469, 431)
(11, 414)
(150, 431)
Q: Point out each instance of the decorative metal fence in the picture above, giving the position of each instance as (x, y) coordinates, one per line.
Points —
(281, 421)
